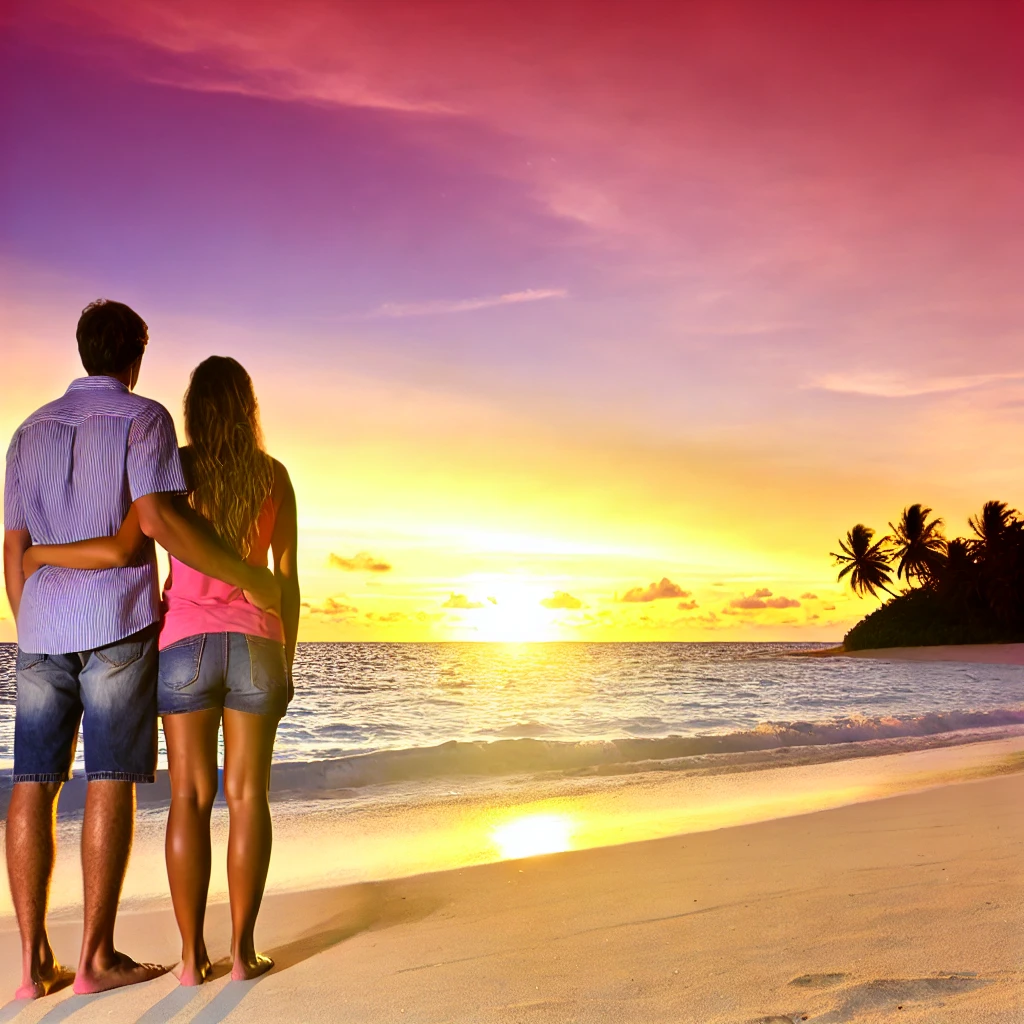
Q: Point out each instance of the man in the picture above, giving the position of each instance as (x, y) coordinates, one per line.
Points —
(87, 641)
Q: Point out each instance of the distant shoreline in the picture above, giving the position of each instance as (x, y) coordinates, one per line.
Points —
(979, 654)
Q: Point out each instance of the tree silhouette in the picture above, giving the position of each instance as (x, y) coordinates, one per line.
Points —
(866, 564)
(918, 544)
(968, 590)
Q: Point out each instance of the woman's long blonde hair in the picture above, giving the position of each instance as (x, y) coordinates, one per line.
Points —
(229, 473)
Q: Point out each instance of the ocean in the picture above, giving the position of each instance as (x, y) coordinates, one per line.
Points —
(368, 713)
(396, 759)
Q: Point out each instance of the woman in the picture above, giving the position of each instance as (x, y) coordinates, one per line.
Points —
(221, 658)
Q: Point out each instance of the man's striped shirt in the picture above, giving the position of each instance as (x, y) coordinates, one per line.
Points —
(73, 469)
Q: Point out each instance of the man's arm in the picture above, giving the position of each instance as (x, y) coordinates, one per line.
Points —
(160, 519)
(16, 543)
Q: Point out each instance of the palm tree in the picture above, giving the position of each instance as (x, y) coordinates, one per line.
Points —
(992, 528)
(918, 544)
(997, 547)
(865, 563)
(959, 577)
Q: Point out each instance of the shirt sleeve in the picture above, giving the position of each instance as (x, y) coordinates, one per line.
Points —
(153, 464)
(14, 506)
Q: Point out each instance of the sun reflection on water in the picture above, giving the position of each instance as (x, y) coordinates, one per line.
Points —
(532, 835)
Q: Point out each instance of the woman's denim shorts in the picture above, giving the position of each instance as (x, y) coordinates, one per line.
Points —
(224, 670)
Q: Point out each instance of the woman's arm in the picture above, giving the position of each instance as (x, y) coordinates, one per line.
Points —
(284, 543)
(16, 543)
(98, 553)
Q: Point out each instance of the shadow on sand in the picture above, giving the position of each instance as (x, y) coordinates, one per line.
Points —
(358, 909)
(351, 910)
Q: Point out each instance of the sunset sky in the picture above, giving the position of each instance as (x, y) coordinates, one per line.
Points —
(571, 321)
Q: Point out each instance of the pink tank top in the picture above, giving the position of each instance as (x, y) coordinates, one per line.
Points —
(195, 603)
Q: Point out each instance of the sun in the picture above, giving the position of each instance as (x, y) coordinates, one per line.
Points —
(513, 613)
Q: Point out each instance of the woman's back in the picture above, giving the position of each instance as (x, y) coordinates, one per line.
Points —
(195, 603)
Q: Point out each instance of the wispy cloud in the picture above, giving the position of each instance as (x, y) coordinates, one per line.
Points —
(400, 309)
(881, 385)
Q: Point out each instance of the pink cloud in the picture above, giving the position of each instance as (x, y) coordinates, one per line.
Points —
(762, 598)
(331, 608)
(362, 562)
(654, 592)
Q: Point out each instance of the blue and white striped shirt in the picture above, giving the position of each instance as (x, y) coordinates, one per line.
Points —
(73, 469)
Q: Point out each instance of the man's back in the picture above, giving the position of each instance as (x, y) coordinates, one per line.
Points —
(73, 469)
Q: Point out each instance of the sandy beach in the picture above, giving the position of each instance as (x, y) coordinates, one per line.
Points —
(908, 905)
(980, 654)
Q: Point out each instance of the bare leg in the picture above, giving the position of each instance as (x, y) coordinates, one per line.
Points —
(248, 749)
(192, 760)
(31, 848)
(106, 843)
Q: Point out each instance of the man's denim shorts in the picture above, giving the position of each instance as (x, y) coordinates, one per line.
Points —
(114, 687)
(224, 670)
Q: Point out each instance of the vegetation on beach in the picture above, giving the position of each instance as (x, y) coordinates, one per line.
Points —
(967, 590)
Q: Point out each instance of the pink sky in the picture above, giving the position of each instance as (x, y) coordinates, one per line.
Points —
(731, 276)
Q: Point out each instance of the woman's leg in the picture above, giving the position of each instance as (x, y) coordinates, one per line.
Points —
(248, 749)
(192, 760)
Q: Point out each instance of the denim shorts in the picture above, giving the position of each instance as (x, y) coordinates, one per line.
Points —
(224, 670)
(113, 687)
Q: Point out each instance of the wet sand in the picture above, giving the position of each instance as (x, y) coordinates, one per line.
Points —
(909, 907)
(980, 654)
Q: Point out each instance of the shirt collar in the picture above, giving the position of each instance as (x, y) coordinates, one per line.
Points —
(96, 383)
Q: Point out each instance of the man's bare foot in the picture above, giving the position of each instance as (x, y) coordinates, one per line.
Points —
(122, 971)
(47, 980)
(251, 967)
(193, 973)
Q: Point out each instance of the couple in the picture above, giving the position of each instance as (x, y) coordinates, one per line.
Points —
(93, 641)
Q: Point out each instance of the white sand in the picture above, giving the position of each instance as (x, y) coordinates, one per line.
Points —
(913, 901)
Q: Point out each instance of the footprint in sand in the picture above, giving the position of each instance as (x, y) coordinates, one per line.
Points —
(818, 980)
(894, 993)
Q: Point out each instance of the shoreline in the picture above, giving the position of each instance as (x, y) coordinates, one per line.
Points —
(911, 905)
(976, 654)
(399, 833)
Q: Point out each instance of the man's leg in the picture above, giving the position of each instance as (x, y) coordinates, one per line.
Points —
(106, 843)
(45, 730)
(118, 687)
(31, 848)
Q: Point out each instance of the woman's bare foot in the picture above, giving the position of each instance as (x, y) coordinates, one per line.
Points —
(121, 971)
(251, 967)
(47, 979)
(193, 973)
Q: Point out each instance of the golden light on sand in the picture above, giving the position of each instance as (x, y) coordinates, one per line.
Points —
(533, 835)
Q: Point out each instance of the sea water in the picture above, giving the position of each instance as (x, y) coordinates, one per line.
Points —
(584, 703)
(400, 758)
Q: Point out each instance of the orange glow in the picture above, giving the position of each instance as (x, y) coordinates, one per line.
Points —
(533, 835)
